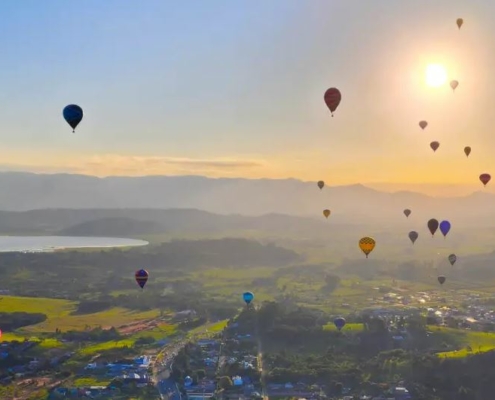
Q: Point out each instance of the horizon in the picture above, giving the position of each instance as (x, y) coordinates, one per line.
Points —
(245, 120)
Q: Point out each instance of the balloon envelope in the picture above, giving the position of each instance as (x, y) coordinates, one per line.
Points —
(435, 145)
(248, 297)
(454, 84)
(423, 124)
(141, 277)
(441, 279)
(467, 151)
(459, 22)
(367, 244)
(452, 259)
(413, 236)
(339, 322)
(485, 178)
(321, 184)
(332, 99)
(326, 213)
(73, 114)
(407, 212)
(432, 226)
(444, 227)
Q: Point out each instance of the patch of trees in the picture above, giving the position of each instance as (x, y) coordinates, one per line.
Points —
(97, 334)
(15, 320)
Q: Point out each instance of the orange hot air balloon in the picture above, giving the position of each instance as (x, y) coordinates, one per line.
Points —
(332, 99)
(434, 145)
(485, 178)
(321, 184)
(459, 22)
(367, 244)
(453, 85)
(423, 124)
(467, 151)
(326, 213)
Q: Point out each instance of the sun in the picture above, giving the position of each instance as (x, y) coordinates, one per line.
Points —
(436, 75)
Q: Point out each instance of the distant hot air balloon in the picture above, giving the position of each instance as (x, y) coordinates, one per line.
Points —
(423, 124)
(248, 297)
(485, 178)
(444, 227)
(413, 236)
(321, 184)
(326, 213)
(467, 151)
(332, 99)
(339, 323)
(141, 277)
(452, 259)
(73, 114)
(434, 145)
(441, 279)
(367, 244)
(432, 226)
(407, 212)
(453, 85)
(459, 22)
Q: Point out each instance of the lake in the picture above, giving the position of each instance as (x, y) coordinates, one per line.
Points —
(51, 243)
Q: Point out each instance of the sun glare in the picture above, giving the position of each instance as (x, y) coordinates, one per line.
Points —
(436, 75)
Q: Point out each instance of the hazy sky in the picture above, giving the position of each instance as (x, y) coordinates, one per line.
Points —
(235, 88)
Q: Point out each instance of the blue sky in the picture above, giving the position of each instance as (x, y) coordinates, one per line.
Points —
(234, 87)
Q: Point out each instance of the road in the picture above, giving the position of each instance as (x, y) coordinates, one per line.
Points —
(260, 361)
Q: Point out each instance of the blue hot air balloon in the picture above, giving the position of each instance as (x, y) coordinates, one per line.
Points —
(248, 297)
(73, 114)
(339, 323)
(141, 277)
(444, 227)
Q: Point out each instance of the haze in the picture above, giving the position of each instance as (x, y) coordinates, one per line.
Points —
(234, 89)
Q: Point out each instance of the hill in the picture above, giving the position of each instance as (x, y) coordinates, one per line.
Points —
(355, 204)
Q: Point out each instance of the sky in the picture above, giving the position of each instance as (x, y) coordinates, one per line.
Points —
(234, 88)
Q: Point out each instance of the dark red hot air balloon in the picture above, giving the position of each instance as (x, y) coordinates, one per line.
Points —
(141, 277)
(485, 178)
(433, 226)
(332, 99)
(434, 145)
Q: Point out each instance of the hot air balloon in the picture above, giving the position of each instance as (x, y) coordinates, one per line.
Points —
(326, 213)
(459, 22)
(407, 212)
(141, 277)
(332, 99)
(444, 228)
(434, 145)
(73, 114)
(339, 323)
(321, 184)
(441, 279)
(485, 178)
(452, 259)
(423, 124)
(367, 244)
(413, 236)
(467, 151)
(453, 85)
(248, 297)
(432, 226)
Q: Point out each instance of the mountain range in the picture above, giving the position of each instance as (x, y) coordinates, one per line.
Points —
(353, 204)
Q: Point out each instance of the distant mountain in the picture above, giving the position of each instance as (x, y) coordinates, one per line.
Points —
(354, 204)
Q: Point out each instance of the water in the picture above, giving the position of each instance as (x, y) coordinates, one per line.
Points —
(51, 243)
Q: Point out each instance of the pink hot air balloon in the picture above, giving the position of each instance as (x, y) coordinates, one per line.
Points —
(434, 145)
(485, 178)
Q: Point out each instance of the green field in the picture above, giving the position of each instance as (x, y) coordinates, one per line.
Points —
(479, 342)
(59, 316)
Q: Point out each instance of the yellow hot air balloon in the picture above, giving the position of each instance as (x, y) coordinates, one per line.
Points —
(459, 22)
(367, 245)
(326, 213)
